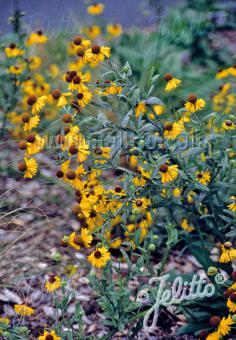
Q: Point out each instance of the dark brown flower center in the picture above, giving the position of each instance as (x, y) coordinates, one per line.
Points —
(118, 189)
(73, 149)
(77, 40)
(70, 174)
(32, 100)
(199, 176)
(98, 151)
(80, 52)
(12, 46)
(76, 80)
(168, 126)
(56, 94)
(97, 254)
(163, 168)
(60, 173)
(139, 203)
(31, 138)
(228, 123)
(25, 117)
(39, 32)
(22, 166)
(96, 49)
(93, 214)
(168, 76)
(80, 96)
(192, 98)
(49, 337)
(52, 279)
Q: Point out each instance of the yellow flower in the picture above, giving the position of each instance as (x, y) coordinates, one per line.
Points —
(80, 42)
(23, 310)
(95, 9)
(60, 97)
(158, 109)
(203, 177)
(49, 336)
(222, 74)
(194, 104)
(228, 125)
(36, 103)
(16, 69)
(112, 89)
(54, 70)
(97, 54)
(228, 253)
(172, 130)
(29, 166)
(74, 241)
(93, 31)
(140, 109)
(70, 270)
(35, 144)
(4, 320)
(190, 196)
(172, 83)
(224, 327)
(184, 224)
(102, 153)
(78, 81)
(12, 51)
(36, 38)
(168, 172)
(86, 237)
(232, 304)
(34, 62)
(114, 29)
(53, 283)
(141, 203)
(30, 122)
(99, 257)
(176, 192)
(232, 206)
(84, 98)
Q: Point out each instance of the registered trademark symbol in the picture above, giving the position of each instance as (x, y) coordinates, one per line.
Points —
(219, 279)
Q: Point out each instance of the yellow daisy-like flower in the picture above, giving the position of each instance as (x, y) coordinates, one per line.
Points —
(228, 125)
(93, 31)
(36, 38)
(185, 225)
(84, 98)
(74, 241)
(114, 30)
(36, 103)
(34, 62)
(80, 42)
(168, 172)
(222, 74)
(78, 82)
(96, 9)
(172, 83)
(194, 104)
(4, 320)
(172, 130)
(30, 122)
(102, 153)
(228, 253)
(97, 54)
(60, 97)
(176, 192)
(35, 144)
(158, 109)
(23, 310)
(203, 177)
(99, 257)
(232, 206)
(140, 109)
(224, 327)
(12, 51)
(16, 69)
(86, 237)
(29, 166)
(49, 336)
(53, 283)
(232, 304)
(141, 203)
(112, 89)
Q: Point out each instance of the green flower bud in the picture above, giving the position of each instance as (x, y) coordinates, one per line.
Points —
(234, 318)
(155, 237)
(56, 256)
(132, 218)
(212, 271)
(23, 330)
(152, 247)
